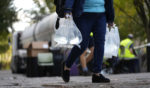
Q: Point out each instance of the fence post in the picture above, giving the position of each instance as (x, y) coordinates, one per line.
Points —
(148, 58)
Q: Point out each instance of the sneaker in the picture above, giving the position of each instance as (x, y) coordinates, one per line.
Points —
(80, 69)
(83, 73)
(86, 73)
(99, 79)
(65, 73)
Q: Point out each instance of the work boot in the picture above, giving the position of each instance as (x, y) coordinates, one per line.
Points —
(65, 73)
(99, 79)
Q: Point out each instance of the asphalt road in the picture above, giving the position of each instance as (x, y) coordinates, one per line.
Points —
(9, 80)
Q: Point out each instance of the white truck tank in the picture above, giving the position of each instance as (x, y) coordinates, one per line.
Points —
(41, 31)
(15, 43)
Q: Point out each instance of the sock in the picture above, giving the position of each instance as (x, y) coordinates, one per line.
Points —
(85, 69)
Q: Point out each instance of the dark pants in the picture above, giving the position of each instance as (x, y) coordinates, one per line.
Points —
(90, 22)
(133, 65)
(127, 66)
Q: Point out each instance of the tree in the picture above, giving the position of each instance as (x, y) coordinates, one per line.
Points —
(44, 10)
(134, 16)
(7, 17)
(143, 11)
(50, 5)
(127, 19)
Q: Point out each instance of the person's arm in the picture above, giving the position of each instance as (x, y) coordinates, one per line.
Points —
(109, 12)
(132, 49)
(68, 7)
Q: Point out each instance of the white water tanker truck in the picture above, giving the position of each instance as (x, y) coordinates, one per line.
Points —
(34, 51)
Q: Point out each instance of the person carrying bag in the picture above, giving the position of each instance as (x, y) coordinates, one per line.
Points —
(89, 16)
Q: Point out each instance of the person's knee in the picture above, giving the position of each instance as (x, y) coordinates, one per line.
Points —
(83, 46)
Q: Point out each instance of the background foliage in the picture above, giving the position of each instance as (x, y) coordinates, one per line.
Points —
(127, 19)
(8, 15)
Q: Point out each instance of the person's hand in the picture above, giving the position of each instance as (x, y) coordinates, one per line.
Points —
(68, 15)
(110, 25)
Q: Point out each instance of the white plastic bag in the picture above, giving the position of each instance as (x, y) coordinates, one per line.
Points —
(67, 33)
(112, 42)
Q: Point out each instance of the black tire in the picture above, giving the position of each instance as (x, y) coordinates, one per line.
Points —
(32, 67)
(15, 67)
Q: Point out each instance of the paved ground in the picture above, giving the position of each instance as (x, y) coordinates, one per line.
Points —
(8, 80)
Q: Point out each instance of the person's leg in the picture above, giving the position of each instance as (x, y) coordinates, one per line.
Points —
(84, 23)
(91, 47)
(85, 58)
(83, 61)
(90, 56)
(132, 65)
(99, 30)
(135, 65)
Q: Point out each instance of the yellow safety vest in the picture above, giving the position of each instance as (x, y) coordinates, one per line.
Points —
(126, 44)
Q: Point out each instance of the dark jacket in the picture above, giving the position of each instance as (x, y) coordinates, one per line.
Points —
(76, 7)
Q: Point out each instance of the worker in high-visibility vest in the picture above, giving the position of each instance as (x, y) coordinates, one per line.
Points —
(127, 53)
(126, 48)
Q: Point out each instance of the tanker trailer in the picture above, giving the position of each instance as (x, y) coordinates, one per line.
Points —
(41, 31)
(34, 47)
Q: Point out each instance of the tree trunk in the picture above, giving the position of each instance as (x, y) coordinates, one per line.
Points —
(148, 50)
(12, 28)
(142, 7)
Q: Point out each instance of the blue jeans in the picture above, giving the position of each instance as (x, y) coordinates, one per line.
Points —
(90, 22)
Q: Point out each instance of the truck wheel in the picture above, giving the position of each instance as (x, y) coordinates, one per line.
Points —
(32, 67)
(15, 65)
